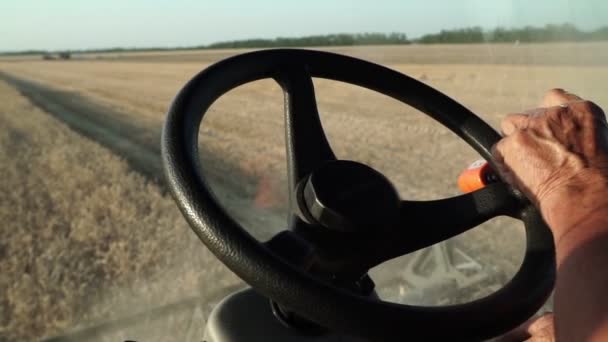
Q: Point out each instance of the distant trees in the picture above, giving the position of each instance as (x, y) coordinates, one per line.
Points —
(465, 35)
(341, 39)
(528, 34)
(599, 34)
(23, 53)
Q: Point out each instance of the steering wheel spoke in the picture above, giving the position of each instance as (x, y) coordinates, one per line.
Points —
(420, 224)
(292, 248)
(307, 145)
(424, 223)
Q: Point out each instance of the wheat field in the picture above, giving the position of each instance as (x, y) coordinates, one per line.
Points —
(85, 237)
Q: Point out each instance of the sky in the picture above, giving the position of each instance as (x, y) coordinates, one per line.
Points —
(86, 24)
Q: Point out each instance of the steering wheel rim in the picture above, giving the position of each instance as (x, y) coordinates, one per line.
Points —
(312, 298)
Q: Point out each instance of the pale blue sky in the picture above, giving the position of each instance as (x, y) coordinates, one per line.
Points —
(82, 24)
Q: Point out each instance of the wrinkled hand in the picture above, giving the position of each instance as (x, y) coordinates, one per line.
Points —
(557, 155)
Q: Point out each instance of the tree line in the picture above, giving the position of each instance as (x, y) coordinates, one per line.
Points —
(341, 39)
(528, 34)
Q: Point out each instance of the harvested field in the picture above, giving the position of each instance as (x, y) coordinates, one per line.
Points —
(62, 181)
(84, 239)
(590, 53)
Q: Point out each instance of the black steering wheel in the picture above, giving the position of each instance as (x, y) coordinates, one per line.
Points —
(347, 217)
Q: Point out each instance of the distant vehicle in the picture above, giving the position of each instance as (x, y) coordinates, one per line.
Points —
(61, 55)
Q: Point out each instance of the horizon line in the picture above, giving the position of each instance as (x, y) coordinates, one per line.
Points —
(210, 46)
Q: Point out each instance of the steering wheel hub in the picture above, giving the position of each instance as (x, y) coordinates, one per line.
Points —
(348, 196)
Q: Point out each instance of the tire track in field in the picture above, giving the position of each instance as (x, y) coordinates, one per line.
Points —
(99, 123)
(140, 146)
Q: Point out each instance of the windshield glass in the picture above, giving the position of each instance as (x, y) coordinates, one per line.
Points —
(92, 238)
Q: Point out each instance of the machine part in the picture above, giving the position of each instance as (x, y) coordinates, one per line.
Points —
(431, 265)
(476, 176)
(246, 316)
(348, 196)
(294, 322)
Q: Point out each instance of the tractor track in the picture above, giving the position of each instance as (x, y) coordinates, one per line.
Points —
(139, 145)
(96, 122)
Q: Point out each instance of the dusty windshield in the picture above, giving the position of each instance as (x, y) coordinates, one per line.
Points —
(93, 244)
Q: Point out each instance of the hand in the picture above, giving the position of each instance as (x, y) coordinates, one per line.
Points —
(557, 155)
(537, 329)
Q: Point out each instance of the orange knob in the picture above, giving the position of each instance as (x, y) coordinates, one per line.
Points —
(476, 176)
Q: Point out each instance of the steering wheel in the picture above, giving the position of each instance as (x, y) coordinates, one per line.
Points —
(347, 217)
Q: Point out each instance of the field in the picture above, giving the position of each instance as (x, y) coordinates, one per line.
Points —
(90, 234)
(83, 237)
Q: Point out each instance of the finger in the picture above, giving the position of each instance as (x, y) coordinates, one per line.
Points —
(501, 169)
(541, 323)
(557, 97)
(513, 122)
(497, 153)
(536, 112)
